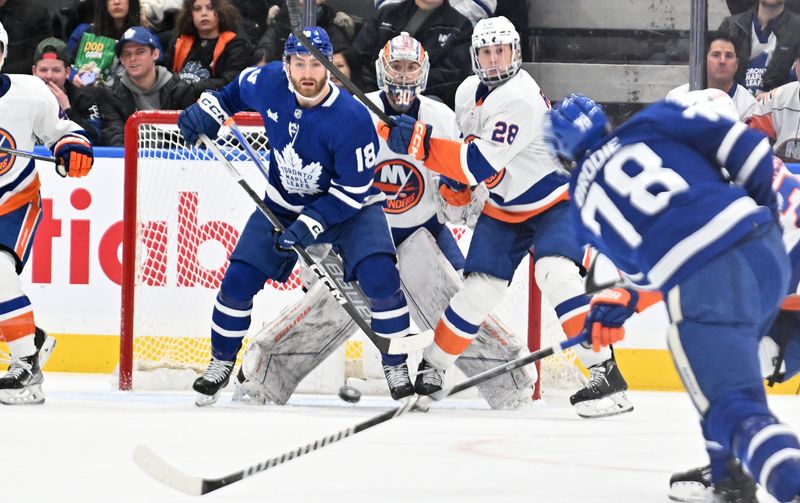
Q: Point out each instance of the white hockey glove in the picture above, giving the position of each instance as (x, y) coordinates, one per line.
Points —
(460, 206)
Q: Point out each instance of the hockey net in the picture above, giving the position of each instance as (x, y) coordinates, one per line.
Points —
(183, 214)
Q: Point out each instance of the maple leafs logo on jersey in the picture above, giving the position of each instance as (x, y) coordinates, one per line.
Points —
(297, 178)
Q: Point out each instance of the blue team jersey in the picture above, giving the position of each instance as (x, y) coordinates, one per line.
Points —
(654, 196)
(323, 158)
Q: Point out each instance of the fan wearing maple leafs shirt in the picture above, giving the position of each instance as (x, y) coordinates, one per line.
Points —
(321, 169)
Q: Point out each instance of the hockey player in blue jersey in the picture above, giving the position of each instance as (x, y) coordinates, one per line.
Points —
(321, 170)
(681, 201)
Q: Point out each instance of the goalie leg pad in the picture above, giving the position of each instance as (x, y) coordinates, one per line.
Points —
(429, 282)
(289, 348)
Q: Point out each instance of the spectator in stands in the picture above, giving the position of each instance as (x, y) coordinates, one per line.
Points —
(143, 85)
(737, 6)
(91, 45)
(768, 37)
(160, 13)
(340, 27)
(206, 51)
(27, 23)
(254, 17)
(79, 105)
(346, 61)
(517, 12)
(778, 116)
(722, 61)
(443, 31)
(474, 10)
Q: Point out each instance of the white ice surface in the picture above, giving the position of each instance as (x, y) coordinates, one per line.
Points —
(77, 448)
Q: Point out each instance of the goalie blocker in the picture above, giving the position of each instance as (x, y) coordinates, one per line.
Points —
(306, 333)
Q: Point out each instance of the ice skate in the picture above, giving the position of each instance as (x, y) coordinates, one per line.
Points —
(604, 395)
(429, 379)
(22, 384)
(210, 384)
(737, 487)
(398, 380)
(690, 486)
(44, 345)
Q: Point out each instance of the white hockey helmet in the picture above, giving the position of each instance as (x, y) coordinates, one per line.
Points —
(711, 100)
(402, 85)
(495, 31)
(4, 42)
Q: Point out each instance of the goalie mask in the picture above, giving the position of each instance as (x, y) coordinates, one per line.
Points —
(4, 44)
(402, 70)
(495, 50)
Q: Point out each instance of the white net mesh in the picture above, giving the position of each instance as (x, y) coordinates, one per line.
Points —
(188, 215)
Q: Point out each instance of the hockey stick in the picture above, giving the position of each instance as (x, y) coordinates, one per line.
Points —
(296, 20)
(400, 345)
(28, 155)
(165, 473)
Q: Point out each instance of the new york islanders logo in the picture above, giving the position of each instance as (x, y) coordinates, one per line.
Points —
(495, 179)
(402, 183)
(6, 160)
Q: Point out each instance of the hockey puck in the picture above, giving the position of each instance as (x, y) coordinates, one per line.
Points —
(349, 394)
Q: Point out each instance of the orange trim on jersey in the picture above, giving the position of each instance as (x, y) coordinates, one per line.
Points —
(444, 157)
(764, 124)
(574, 325)
(23, 197)
(26, 233)
(791, 303)
(17, 327)
(648, 298)
(588, 255)
(448, 341)
(516, 217)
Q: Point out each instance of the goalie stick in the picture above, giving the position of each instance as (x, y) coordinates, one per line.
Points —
(401, 345)
(296, 20)
(167, 474)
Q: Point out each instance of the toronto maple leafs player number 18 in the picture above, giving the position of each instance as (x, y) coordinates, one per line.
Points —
(324, 150)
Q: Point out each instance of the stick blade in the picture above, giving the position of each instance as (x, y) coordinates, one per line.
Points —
(165, 473)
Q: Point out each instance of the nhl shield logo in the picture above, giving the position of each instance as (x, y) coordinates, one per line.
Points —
(402, 183)
(6, 160)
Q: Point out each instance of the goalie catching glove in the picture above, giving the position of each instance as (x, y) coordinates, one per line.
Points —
(74, 155)
(408, 136)
(206, 116)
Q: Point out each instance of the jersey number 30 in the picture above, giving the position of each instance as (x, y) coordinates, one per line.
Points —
(652, 175)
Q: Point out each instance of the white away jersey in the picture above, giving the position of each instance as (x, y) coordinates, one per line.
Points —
(778, 116)
(409, 186)
(506, 149)
(28, 110)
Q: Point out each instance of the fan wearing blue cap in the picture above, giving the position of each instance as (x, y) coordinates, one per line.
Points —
(324, 153)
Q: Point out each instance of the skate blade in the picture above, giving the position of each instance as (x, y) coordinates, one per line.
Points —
(202, 400)
(611, 405)
(46, 350)
(29, 395)
(687, 492)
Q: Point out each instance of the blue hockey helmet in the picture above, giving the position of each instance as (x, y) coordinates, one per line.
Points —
(317, 36)
(575, 125)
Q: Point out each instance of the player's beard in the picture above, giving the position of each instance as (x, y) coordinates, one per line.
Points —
(310, 93)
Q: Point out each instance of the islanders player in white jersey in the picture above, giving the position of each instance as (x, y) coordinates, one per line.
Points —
(28, 111)
(681, 200)
(499, 111)
(321, 170)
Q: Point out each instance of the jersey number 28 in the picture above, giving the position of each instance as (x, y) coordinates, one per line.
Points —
(636, 189)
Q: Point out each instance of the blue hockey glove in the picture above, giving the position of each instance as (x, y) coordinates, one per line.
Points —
(204, 117)
(609, 310)
(74, 155)
(408, 136)
(302, 233)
